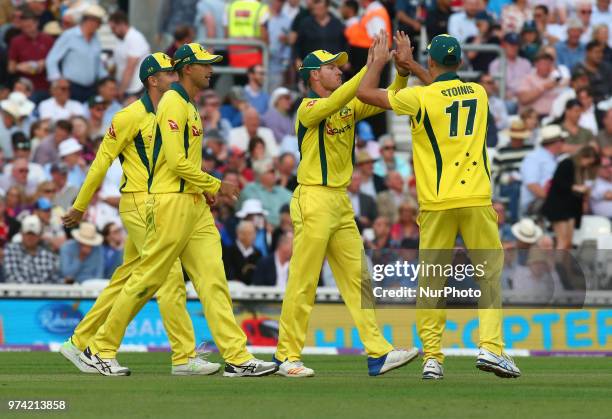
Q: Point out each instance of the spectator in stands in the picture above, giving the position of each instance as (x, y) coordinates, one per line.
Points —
(437, 18)
(76, 55)
(235, 105)
(6, 9)
(65, 193)
(601, 13)
(382, 235)
(241, 258)
(209, 23)
(571, 51)
(388, 201)
(128, 54)
(15, 201)
(538, 168)
(278, 117)
(604, 138)
(22, 147)
(584, 11)
(256, 150)
(481, 60)
(390, 161)
(240, 137)
(531, 42)
(81, 132)
(46, 152)
(286, 171)
(364, 205)
(514, 16)
(19, 177)
(29, 261)
(96, 118)
(252, 210)
(407, 14)
(587, 118)
(601, 34)
(236, 162)
(496, 104)
(255, 95)
(52, 233)
(517, 68)
(319, 30)
(174, 14)
(565, 200)
(371, 183)
(406, 230)
(601, 194)
(273, 270)
(462, 24)
(112, 248)
(597, 70)
(59, 105)
(39, 130)
(265, 189)
(183, 34)
(532, 123)
(41, 12)
(578, 81)
(9, 226)
(576, 135)
(506, 166)
(541, 19)
(15, 109)
(278, 27)
(108, 90)
(540, 88)
(82, 257)
(70, 155)
(210, 112)
(27, 53)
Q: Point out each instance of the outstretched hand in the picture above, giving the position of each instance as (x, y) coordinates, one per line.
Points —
(381, 52)
(404, 48)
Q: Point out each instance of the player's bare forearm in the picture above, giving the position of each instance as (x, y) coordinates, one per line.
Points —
(369, 92)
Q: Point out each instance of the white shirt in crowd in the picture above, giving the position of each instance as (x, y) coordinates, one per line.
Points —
(461, 26)
(133, 45)
(239, 137)
(282, 272)
(50, 109)
(599, 204)
(36, 173)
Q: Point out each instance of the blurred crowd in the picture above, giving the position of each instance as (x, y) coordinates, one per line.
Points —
(62, 80)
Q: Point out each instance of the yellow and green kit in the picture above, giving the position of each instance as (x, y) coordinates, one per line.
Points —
(322, 214)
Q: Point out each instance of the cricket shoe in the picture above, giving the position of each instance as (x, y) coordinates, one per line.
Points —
(503, 366)
(71, 353)
(394, 359)
(196, 366)
(432, 370)
(105, 366)
(252, 368)
(294, 369)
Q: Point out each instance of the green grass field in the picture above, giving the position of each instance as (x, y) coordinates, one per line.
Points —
(549, 388)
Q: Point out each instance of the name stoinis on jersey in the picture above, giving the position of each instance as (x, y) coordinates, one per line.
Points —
(458, 91)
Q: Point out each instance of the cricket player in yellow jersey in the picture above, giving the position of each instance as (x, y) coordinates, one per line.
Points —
(449, 132)
(129, 138)
(179, 224)
(323, 217)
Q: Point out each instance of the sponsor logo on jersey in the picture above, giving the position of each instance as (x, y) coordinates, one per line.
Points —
(111, 131)
(311, 103)
(173, 125)
(335, 131)
(195, 131)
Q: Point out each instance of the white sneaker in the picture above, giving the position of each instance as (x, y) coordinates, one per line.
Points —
(295, 369)
(108, 366)
(252, 368)
(503, 366)
(432, 370)
(394, 359)
(71, 353)
(196, 366)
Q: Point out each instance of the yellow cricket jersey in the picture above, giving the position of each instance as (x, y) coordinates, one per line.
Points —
(176, 154)
(326, 133)
(449, 131)
(129, 138)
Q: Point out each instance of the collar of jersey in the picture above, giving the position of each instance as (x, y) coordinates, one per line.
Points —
(451, 75)
(181, 91)
(313, 95)
(146, 101)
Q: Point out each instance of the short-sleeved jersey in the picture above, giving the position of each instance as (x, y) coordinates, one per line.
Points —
(129, 137)
(449, 132)
(326, 133)
(176, 154)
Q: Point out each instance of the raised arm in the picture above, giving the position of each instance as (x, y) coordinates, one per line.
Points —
(368, 91)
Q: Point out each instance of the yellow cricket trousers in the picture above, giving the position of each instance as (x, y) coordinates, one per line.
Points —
(178, 225)
(171, 297)
(324, 225)
(479, 230)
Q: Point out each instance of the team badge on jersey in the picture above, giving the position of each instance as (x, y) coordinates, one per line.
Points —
(346, 112)
(173, 125)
